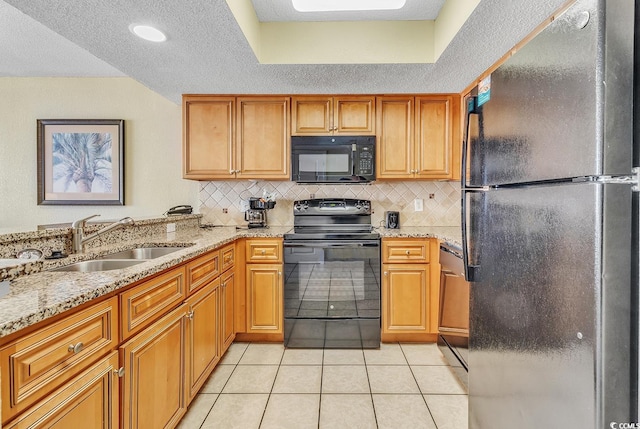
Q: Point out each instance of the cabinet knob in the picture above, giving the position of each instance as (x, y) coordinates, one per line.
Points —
(386, 273)
(119, 372)
(279, 273)
(190, 314)
(75, 348)
(408, 252)
(232, 172)
(264, 251)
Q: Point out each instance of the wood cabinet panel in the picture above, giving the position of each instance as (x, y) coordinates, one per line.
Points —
(418, 137)
(140, 305)
(34, 365)
(263, 138)
(203, 270)
(264, 296)
(395, 137)
(227, 305)
(339, 115)
(208, 137)
(354, 115)
(405, 292)
(153, 386)
(406, 250)
(262, 250)
(203, 351)
(311, 115)
(433, 137)
(89, 400)
(228, 257)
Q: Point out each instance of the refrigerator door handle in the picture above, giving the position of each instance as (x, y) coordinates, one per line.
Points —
(471, 272)
(471, 110)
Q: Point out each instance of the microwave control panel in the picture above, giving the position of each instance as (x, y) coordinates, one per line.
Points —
(365, 161)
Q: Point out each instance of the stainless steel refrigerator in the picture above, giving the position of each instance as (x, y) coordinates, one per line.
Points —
(550, 228)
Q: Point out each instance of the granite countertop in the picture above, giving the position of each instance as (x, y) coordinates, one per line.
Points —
(36, 297)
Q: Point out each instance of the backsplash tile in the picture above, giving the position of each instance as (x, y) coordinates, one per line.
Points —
(442, 210)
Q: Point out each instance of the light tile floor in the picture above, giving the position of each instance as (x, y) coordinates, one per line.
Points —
(264, 386)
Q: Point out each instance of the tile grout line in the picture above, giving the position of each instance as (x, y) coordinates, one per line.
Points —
(373, 405)
(419, 390)
(223, 386)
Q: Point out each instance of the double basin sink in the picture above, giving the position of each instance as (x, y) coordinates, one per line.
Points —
(119, 260)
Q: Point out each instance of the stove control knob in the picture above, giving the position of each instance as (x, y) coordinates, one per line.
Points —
(301, 206)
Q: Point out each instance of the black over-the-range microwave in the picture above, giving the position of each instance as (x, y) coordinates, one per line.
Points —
(333, 159)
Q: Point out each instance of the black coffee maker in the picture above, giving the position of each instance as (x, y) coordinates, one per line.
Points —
(256, 216)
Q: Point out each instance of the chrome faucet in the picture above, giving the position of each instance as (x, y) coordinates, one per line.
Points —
(77, 229)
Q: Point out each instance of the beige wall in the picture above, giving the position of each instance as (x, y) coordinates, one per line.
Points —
(153, 179)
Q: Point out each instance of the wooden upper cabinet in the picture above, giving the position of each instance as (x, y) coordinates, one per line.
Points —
(418, 137)
(262, 138)
(321, 115)
(208, 137)
(395, 137)
(434, 127)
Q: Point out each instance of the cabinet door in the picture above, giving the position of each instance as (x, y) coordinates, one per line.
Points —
(263, 138)
(208, 137)
(354, 116)
(153, 387)
(405, 292)
(203, 352)
(434, 126)
(311, 116)
(395, 143)
(88, 401)
(264, 298)
(141, 304)
(226, 308)
(35, 364)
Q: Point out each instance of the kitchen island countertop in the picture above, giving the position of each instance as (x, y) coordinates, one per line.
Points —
(39, 296)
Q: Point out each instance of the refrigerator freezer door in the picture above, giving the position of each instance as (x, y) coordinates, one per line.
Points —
(561, 106)
(549, 319)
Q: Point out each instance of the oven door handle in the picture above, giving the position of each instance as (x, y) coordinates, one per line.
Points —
(333, 244)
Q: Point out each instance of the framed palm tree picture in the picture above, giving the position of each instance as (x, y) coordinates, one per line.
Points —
(81, 161)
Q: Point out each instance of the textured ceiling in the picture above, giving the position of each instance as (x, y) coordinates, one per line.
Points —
(207, 52)
(279, 11)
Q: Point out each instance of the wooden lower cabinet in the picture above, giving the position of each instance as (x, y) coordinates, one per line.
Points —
(153, 386)
(264, 298)
(227, 303)
(203, 350)
(405, 293)
(90, 400)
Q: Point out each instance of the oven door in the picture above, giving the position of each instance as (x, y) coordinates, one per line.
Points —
(332, 293)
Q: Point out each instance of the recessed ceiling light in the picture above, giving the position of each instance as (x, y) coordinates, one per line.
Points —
(147, 32)
(343, 5)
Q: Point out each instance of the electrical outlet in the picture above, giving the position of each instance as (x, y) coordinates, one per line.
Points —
(418, 205)
(171, 227)
(432, 196)
(225, 210)
(312, 196)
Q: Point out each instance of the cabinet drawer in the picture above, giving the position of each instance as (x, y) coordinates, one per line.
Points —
(264, 251)
(411, 250)
(34, 365)
(141, 305)
(228, 257)
(88, 401)
(202, 270)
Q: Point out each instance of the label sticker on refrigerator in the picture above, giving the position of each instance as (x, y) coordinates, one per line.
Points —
(484, 90)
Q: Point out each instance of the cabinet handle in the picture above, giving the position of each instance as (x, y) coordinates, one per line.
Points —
(232, 172)
(224, 285)
(386, 273)
(190, 315)
(119, 372)
(408, 252)
(264, 251)
(75, 349)
(279, 273)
